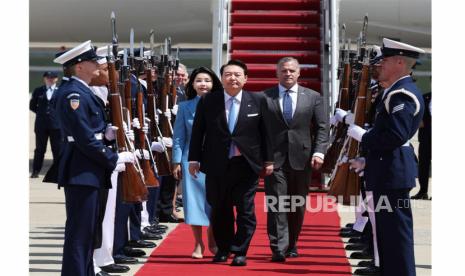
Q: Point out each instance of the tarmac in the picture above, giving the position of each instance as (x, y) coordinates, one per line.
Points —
(47, 218)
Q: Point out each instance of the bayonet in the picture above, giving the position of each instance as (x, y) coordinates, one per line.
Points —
(176, 61)
(169, 46)
(114, 35)
(141, 54)
(152, 38)
(131, 43)
(364, 31)
(125, 57)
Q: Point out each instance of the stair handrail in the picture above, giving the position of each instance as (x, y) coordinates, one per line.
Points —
(220, 32)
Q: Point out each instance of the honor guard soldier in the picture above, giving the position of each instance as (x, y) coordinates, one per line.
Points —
(391, 169)
(85, 163)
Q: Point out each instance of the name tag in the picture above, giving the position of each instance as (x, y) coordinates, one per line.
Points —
(252, 115)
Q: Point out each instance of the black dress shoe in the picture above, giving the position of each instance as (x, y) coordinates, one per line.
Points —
(346, 229)
(356, 246)
(278, 257)
(349, 225)
(133, 252)
(102, 273)
(141, 244)
(115, 268)
(373, 270)
(150, 236)
(121, 259)
(292, 253)
(154, 230)
(361, 255)
(366, 263)
(421, 195)
(220, 257)
(35, 175)
(170, 219)
(239, 261)
(356, 240)
(160, 227)
(349, 234)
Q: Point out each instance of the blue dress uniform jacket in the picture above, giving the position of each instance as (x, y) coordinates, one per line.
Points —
(43, 108)
(390, 161)
(85, 160)
(390, 173)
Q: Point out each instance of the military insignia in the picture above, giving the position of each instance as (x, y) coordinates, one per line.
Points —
(397, 108)
(74, 103)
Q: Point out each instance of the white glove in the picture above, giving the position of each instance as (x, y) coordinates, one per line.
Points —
(174, 110)
(349, 118)
(340, 114)
(136, 123)
(129, 132)
(145, 152)
(158, 147)
(110, 132)
(126, 157)
(145, 129)
(157, 121)
(120, 167)
(356, 132)
(167, 114)
(147, 120)
(357, 164)
(167, 141)
(332, 120)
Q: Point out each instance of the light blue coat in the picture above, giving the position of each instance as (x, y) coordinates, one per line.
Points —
(196, 208)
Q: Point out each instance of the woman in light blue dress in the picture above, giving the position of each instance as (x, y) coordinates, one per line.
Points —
(196, 208)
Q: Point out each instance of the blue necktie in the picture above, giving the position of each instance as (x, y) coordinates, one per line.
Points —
(287, 107)
(231, 122)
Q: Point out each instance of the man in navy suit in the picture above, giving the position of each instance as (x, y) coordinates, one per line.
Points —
(46, 124)
(229, 144)
(85, 163)
(391, 169)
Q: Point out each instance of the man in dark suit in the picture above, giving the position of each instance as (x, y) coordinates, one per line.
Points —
(391, 168)
(294, 114)
(85, 163)
(46, 124)
(229, 145)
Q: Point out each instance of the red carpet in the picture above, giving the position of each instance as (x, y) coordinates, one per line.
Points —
(320, 248)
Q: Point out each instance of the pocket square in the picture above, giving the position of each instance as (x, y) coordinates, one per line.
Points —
(252, 115)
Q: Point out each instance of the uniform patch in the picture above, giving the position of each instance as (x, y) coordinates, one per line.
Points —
(74, 103)
(397, 108)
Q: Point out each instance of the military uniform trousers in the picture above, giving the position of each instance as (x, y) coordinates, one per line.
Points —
(394, 231)
(82, 213)
(42, 135)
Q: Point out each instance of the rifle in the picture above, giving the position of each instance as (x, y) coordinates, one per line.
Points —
(338, 133)
(344, 181)
(162, 160)
(150, 179)
(131, 181)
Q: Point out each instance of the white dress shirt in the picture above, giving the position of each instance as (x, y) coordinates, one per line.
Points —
(237, 103)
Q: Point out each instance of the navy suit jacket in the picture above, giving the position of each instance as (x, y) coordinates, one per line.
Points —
(211, 139)
(390, 160)
(44, 108)
(86, 161)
